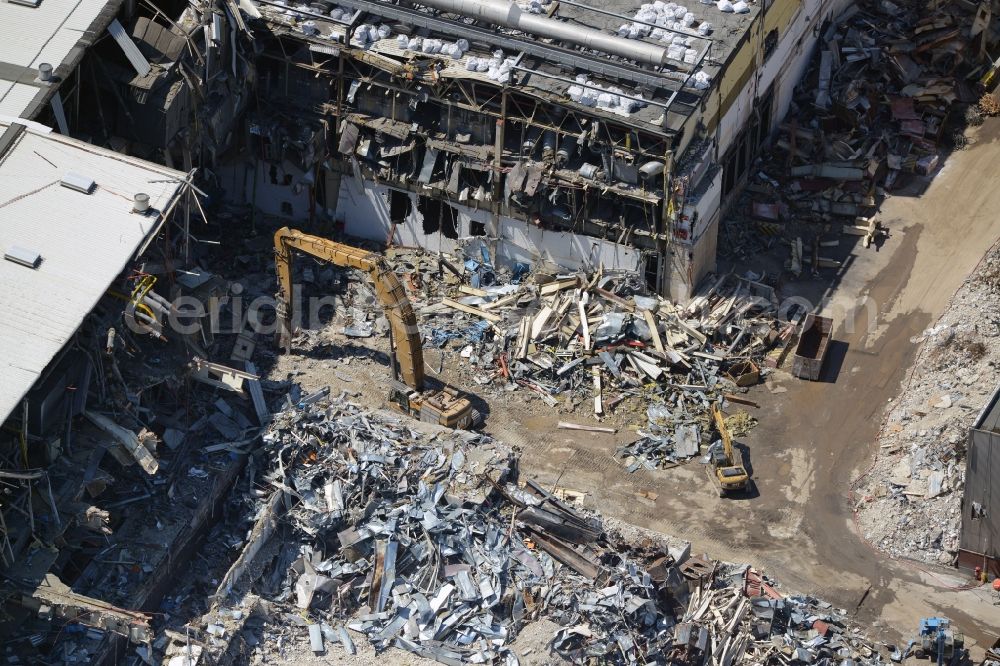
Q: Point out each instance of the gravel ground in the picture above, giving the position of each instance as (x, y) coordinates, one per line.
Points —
(909, 504)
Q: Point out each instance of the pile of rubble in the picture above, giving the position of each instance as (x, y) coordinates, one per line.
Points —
(579, 344)
(874, 111)
(426, 541)
(909, 504)
(601, 340)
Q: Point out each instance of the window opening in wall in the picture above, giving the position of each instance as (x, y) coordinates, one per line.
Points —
(449, 222)
(477, 228)
(652, 270)
(437, 216)
(746, 148)
(399, 206)
(430, 211)
(765, 104)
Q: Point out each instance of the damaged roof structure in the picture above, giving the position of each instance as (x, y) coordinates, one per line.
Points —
(71, 207)
(564, 133)
(578, 141)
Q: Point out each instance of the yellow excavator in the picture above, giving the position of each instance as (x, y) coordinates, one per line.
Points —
(446, 406)
(726, 465)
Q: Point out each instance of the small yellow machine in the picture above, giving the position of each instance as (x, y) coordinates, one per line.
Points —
(726, 465)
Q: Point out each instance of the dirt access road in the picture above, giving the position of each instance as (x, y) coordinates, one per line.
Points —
(815, 437)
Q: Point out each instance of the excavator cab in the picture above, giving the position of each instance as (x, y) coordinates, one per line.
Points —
(446, 407)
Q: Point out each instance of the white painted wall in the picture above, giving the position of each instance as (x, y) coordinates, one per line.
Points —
(786, 65)
(238, 181)
(523, 242)
(363, 206)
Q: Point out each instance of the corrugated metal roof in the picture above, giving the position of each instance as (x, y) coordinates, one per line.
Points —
(15, 98)
(85, 241)
(47, 33)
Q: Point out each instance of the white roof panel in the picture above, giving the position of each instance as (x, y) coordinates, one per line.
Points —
(85, 241)
(48, 33)
(15, 98)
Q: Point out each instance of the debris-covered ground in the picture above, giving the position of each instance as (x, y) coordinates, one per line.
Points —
(591, 346)
(427, 541)
(886, 98)
(909, 503)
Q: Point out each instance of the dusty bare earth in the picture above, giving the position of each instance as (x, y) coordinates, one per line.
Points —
(814, 438)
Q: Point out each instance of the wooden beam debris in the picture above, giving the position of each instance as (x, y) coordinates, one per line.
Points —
(565, 425)
(468, 309)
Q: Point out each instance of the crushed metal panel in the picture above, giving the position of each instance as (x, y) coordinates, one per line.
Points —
(220, 376)
(136, 445)
(132, 52)
(348, 139)
(157, 43)
(427, 170)
(55, 597)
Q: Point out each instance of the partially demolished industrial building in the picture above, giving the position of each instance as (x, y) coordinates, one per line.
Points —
(582, 137)
(562, 132)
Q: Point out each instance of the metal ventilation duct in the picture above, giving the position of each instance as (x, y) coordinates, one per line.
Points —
(509, 15)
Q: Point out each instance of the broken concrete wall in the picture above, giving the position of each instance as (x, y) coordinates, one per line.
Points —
(365, 209)
(697, 240)
(281, 189)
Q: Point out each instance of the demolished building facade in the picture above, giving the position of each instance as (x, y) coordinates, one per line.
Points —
(560, 134)
(564, 133)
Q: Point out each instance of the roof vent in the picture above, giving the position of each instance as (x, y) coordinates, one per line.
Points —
(75, 181)
(25, 257)
(140, 203)
(44, 72)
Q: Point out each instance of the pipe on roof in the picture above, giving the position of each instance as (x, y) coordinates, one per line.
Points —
(509, 15)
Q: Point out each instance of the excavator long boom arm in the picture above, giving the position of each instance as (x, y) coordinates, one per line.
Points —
(388, 288)
(727, 439)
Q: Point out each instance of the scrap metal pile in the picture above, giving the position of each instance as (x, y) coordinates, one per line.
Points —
(426, 542)
(877, 108)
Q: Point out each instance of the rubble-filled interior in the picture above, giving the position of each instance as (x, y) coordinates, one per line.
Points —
(545, 187)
